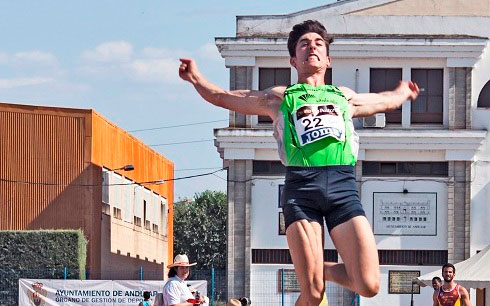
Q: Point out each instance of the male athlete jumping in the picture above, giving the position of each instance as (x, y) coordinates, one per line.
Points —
(318, 145)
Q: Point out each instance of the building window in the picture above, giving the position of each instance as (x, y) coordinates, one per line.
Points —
(139, 195)
(282, 256)
(428, 106)
(106, 207)
(105, 185)
(282, 225)
(163, 216)
(117, 213)
(269, 77)
(484, 97)
(266, 167)
(413, 257)
(370, 168)
(386, 79)
(137, 221)
(155, 228)
(147, 223)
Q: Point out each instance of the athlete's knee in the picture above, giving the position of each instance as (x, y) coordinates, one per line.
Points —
(314, 298)
(314, 294)
(369, 286)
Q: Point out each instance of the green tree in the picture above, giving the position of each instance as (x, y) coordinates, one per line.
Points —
(200, 229)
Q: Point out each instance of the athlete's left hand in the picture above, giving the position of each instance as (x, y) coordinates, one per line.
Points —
(409, 89)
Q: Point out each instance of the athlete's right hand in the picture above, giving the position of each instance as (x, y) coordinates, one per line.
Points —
(188, 70)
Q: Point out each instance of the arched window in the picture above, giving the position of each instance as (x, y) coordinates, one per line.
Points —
(484, 97)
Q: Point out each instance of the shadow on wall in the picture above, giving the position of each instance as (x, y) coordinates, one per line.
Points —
(75, 205)
(480, 209)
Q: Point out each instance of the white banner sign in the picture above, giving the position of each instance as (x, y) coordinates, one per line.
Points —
(39, 292)
(398, 213)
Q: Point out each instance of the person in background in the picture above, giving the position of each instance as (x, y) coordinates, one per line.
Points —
(146, 299)
(176, 292)
(436, 283)
(450, 293)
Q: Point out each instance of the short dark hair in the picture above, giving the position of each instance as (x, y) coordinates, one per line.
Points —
(448, 265)
(308, 26)
(437, 278)
(146, 295)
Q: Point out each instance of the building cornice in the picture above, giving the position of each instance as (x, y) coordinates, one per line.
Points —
(247, 143)
(458, 50)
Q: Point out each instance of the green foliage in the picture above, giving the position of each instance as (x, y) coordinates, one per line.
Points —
(39, 254)
(200, 229)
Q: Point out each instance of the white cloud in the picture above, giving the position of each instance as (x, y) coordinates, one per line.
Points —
(4, 58)
(155, 70)
(151, 52)
(112, 51)
(147, 65)
(209, 51)
(20, 82)
(38, 57)
(156, 52)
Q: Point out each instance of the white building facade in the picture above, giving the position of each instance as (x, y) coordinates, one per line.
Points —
(423, 174)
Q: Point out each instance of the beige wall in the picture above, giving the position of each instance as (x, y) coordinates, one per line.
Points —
(146, 249)
(430, 8)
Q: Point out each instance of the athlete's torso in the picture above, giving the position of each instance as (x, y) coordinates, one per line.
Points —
(314, 128)
(449, 298)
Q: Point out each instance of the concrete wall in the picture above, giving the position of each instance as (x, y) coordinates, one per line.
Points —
(125, 249)
(264, 215)
(265, 288)
(413, 185)
(385, 298)
(430, 8)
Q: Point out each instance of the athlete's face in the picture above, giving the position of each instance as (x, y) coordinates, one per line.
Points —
(448, 274)
(311, 53)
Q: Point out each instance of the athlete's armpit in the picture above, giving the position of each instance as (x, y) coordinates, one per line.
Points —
(253, 102)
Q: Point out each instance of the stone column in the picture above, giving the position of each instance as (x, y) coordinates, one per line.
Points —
(238, 247)
(240, 78)
(459, 98)
(459, 211)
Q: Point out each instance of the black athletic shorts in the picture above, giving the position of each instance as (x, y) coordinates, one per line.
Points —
(314, 193)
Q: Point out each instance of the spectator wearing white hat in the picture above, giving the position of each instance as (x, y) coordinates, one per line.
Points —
(176, 292)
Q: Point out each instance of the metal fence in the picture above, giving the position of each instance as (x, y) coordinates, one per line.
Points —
(266, 287)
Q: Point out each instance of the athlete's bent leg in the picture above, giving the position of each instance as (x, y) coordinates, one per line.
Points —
(306, 246)
(354, 241)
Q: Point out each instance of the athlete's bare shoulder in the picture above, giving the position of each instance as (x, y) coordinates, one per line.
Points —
(274, 96)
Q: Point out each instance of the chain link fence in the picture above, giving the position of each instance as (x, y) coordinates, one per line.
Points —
(266, 287)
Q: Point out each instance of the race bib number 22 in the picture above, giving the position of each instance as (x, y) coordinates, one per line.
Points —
(318, 121)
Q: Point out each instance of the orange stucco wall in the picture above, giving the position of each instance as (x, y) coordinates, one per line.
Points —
(113, 148)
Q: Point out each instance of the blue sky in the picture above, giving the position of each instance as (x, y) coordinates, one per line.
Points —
(120, 58)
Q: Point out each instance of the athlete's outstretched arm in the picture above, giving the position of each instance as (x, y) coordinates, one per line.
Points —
(368, 104)
(250, 102)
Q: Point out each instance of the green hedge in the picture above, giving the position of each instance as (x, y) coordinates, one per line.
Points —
(39, 254)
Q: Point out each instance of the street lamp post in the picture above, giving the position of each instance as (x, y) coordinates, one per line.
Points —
(128, 167)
